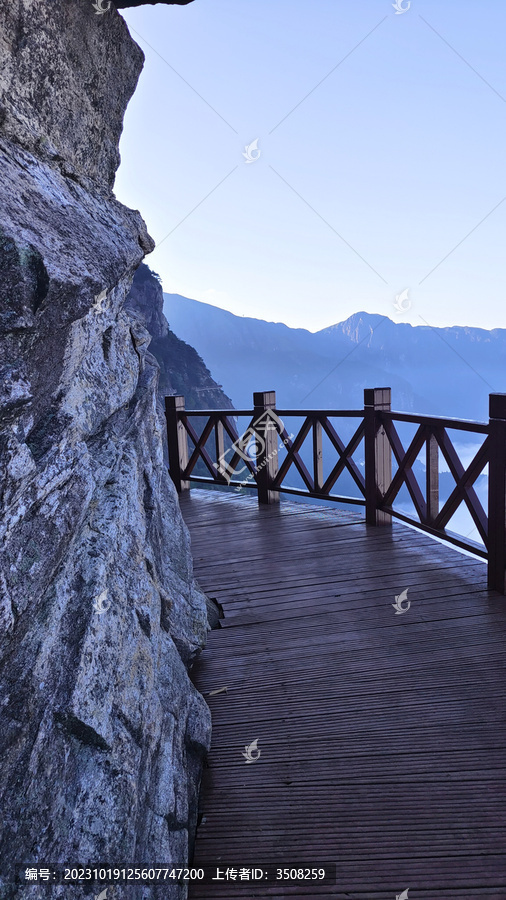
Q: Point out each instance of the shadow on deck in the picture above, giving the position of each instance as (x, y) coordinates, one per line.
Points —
(382, 735)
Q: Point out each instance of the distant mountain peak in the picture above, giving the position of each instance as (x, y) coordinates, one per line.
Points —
(357, 326)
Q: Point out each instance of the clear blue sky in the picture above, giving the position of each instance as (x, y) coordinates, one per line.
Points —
(400, 150)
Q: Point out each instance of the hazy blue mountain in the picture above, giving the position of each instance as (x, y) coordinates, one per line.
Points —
(439, 371)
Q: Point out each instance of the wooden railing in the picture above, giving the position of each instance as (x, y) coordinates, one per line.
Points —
(256, 452)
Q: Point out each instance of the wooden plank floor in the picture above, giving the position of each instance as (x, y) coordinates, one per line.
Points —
(382, 736)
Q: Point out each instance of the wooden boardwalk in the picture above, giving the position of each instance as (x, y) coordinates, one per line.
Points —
(382, 736)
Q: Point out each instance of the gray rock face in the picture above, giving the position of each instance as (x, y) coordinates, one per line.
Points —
(124, 4)
(146, 298)
(182, 371)
(102, 734)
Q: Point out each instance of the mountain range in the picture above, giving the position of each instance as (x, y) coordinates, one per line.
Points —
(433, 371)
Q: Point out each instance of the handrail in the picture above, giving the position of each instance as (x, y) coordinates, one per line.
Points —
(254, 456)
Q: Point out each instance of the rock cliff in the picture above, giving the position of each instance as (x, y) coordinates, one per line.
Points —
(102, 734)
(182, 370)
(126, 4)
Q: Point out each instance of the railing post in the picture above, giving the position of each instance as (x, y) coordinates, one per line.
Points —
(267, 446)
(378, 454)
(219, 444)
(177, 440)
(431, 477)
(497, 494)
(317, 454)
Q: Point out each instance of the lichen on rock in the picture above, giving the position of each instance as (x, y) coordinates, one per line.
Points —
(102, 733)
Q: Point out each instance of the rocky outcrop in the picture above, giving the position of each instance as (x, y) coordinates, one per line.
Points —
(182, 370)
(125, 4)
(102, 734)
